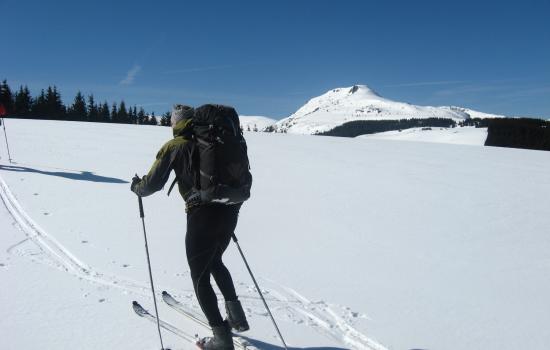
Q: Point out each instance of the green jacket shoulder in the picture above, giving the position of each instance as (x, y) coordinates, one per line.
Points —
(173, 155)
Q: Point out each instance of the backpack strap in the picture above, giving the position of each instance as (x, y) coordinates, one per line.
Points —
(192, 163)
(172, 186)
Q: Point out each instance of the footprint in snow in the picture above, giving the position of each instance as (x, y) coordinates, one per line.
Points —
(46, 213)
(84, 242)
(3, 265)
(101, 300)
(125, 265)
(35, 194)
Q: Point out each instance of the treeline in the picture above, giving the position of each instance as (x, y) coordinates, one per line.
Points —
(519, 133)
(477, 122)
(363, 127)
(49, 105)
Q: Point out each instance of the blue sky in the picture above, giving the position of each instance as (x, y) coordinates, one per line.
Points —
(270, 57)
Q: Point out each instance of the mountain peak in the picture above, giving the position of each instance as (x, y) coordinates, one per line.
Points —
(357, 91)
(362, 89)
(354, 89)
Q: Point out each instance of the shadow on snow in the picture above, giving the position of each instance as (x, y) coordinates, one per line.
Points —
(266, 346)
(82, 176)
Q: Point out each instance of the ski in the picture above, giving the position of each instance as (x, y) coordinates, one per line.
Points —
(142, 312)
(238, 341)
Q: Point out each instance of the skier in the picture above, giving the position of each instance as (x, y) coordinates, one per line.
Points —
(209, 230)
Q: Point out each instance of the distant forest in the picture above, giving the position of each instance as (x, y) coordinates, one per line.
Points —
(525, 133)
(49, 105)
(364, 127)
(519, 133)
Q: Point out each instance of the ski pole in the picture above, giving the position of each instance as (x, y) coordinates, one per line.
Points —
(142, 215)
(6, 136)
(259, 290)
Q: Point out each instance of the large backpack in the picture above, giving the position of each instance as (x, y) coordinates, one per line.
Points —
(222, 174)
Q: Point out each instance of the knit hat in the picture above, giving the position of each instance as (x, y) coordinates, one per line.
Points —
(181, 112)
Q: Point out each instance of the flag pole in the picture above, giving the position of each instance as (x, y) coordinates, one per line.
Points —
(6, 136)
(3, 113)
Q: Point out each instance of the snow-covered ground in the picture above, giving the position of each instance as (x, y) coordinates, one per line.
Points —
(459, 136)
(358, 243)
(359, 102)
(249, 123)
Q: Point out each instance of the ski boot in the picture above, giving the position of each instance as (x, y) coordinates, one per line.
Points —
(235, 316)
(222, 339)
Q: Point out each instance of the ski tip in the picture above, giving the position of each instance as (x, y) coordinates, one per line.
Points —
(138, 309)
(165, 293)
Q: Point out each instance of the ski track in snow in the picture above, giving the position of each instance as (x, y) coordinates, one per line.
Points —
(332, 321)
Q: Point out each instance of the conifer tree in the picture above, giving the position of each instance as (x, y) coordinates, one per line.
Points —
(38, 107)
(23, 102)
(104, 115)
(122, 113)
(92, 109)
(54, 108)
(153, 119)
(165, 120)
(78, 110)
(114, 113)
(50, 103)
(142, 118)
(60, 108)
(133, 115)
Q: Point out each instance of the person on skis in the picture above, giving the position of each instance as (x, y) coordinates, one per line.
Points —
(209, 229)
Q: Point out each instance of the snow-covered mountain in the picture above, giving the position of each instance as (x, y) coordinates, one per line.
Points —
(359, 102)
(255, 122)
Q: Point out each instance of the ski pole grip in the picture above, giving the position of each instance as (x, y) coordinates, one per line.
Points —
(141, 214)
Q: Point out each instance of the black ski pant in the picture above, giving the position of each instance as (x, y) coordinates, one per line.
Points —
(209, 231)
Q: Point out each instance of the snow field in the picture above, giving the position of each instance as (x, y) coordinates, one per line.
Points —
(458, 136)
(356, 242)
(94, 247)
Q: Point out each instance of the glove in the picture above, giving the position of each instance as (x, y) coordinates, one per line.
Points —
(135, 181)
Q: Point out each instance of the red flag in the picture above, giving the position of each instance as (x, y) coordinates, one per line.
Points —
(2, 110)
